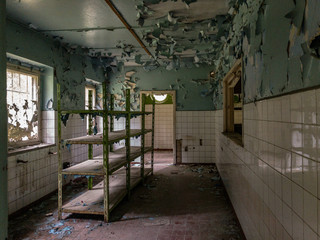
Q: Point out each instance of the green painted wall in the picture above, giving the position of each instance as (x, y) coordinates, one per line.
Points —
(284, 62)
(274, 37)
(188, 92)
(68, 67)
(47, 91)
(3, 127)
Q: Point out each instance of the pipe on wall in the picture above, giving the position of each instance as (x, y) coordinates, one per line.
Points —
(125, 23)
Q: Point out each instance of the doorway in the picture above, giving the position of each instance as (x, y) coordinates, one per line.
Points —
(165, 128)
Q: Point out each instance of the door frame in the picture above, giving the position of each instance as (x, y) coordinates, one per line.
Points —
(173, 94)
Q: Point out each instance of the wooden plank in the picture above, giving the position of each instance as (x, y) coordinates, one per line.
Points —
(81, 111)
(89, 167)
(114, 136)
(91, 201)
(94, 167)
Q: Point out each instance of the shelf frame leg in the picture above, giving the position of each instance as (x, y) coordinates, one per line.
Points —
(143, 127)
(90, 146)
(105, 157)
(128, 167)
(152, 135)
(59, 155)
(111, 118)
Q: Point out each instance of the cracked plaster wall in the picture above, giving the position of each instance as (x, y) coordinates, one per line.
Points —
(275, 38)
(68, 67)
(182, 80)
(3, 127)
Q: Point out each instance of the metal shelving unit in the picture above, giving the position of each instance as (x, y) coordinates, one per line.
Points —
(119, 178)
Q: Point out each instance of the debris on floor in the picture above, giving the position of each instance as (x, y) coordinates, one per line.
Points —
(174, 172)
(156, 222)
(174, 203)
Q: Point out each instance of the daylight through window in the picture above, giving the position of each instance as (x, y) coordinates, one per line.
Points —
(22, 104)
(160, 97)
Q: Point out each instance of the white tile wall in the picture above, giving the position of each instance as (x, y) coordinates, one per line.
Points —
(193, 127)
(76, 127)
(163, 132)
(135, 123)
(28, 182)
(38, 177)
(48, 126)
(274, 180)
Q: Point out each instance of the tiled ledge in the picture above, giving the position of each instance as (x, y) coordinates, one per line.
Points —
(29, 148)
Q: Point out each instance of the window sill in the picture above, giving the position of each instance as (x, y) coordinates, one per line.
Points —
(29, 148)
(235, 137)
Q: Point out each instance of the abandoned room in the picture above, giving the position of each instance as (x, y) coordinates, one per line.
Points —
(160, 119)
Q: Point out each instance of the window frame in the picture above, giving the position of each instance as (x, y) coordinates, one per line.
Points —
(229, 82)
(89, 87)
(34, 73)
(94, 95)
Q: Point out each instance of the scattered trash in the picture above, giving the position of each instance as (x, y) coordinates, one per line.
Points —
(49, 214)
(61, 232)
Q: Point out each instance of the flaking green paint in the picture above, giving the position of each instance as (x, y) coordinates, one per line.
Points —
(281, 61)
(70, 69)
(188, 92)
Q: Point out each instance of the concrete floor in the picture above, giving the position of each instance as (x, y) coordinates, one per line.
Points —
(184, 202)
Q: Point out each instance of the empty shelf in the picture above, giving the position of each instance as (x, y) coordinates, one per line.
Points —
(114, 136)
(92, 201)
(94, 167)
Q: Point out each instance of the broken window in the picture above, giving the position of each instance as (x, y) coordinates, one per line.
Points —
(23, 107)
(233, 102)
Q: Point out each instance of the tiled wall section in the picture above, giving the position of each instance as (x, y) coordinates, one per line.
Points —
(28, 182)
(163, 131)
(196, 129)
(135, 123)
(76, 127)
(274, 181)
(191, 127)
(48, 126)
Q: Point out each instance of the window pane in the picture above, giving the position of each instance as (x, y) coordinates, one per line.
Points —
(22, 100)
(9, 80)
(23, 83)
(16, 82)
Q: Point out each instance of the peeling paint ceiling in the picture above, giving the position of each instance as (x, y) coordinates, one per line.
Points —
(171, 30)
(197, 11)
